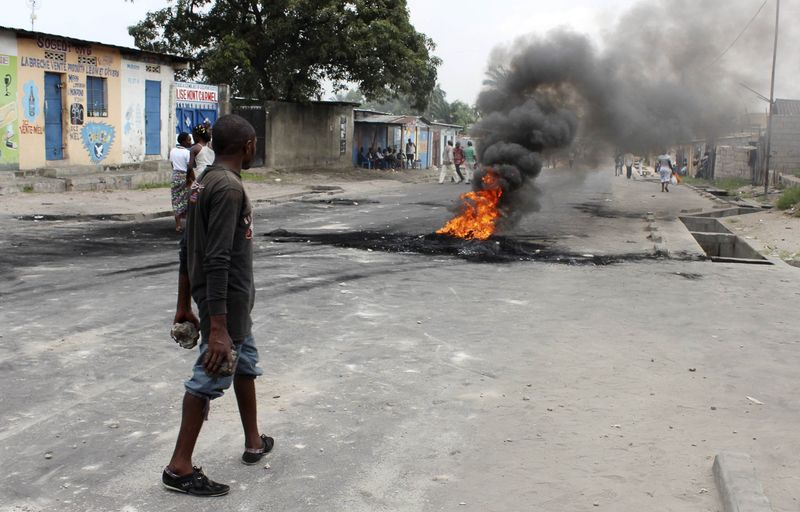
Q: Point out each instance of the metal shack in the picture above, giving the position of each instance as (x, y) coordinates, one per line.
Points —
(380, 130)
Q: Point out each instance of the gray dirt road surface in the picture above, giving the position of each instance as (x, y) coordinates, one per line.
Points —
(403, 372)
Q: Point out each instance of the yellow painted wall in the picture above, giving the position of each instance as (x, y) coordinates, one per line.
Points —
(92, 140)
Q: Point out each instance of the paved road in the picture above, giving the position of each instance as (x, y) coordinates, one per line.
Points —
(407, 381)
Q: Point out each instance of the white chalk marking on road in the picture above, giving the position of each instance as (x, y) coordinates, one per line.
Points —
(515, 302)
(459, 357)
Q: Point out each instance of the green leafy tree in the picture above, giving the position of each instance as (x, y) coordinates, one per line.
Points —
(463, 114)
(286, 49)
(438, 108)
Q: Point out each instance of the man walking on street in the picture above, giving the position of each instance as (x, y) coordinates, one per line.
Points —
(217, 270)
(472, 161)
(447, 165)
(629, 165)
(458, 161)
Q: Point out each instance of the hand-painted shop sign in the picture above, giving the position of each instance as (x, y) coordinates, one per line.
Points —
(62, 45)
(196, 93)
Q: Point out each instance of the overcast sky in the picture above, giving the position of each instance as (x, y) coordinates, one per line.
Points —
(465, 31)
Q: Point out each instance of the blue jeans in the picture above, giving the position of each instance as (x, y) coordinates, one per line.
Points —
(203, 386)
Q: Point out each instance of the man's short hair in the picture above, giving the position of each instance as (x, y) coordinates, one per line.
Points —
(231, 133)
(183, 137)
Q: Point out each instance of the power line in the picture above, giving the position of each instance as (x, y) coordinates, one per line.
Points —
(740, 33)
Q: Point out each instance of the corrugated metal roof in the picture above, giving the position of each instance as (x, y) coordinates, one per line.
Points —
(380, 119)
(410, 120)
(450, 125)
(123, 49)
(787, 107)
(393, 119)
(367, 112)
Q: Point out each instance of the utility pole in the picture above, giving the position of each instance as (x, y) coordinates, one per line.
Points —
(771, 99)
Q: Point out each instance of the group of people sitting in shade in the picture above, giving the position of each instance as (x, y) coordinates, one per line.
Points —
(388, 157)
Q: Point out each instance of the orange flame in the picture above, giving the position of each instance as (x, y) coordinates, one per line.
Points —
(480, 211)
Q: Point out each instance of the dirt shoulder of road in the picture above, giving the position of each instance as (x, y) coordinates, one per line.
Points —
(263, 185)
(771, 232)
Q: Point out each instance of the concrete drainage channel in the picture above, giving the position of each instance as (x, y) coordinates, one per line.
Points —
(718, 242)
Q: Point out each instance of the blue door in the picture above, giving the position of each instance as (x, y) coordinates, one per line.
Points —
(53, 130)
(202, 115)
(152, 117)
(184, 118)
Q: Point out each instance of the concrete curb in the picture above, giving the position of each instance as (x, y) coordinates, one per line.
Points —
(738, 486)
(789, 180)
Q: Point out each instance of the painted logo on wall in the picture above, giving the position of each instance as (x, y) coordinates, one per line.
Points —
(9, 125)
(97, 139)
(76, 113)
(31, 104)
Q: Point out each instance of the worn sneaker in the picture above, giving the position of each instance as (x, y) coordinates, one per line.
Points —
(196, 484)
(253, 455)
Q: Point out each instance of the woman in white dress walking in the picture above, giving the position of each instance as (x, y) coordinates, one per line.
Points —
(665, 171)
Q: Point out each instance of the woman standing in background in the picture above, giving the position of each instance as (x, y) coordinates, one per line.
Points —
(179, 158)
(201, 155)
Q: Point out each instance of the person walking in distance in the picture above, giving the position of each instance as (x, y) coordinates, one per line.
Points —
(629, 165)
(411, 151)
(472, 161)
(216, 270)
(179, 158)
(458, 161)
(665, 171)
(447, 163)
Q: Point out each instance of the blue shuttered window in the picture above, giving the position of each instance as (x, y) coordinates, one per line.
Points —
(96, 97)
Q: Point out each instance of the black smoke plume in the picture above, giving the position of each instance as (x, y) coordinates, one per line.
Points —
(656, 80)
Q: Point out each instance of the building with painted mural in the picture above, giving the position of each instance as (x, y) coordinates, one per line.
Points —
(69, 102)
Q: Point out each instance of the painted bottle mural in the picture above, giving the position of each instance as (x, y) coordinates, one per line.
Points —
(31, 104)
